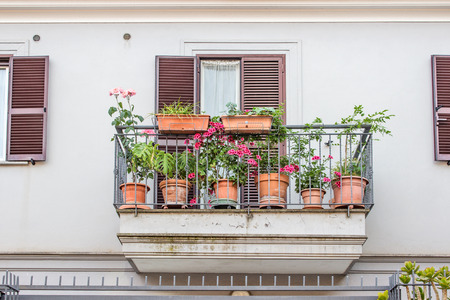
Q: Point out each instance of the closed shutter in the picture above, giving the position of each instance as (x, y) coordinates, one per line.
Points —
(175, 81)
(441, 106)
(263, 85)
(27, 117)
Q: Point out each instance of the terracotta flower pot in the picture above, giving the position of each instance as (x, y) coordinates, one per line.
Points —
(134, 193)
(351, 191)
(313, 198)
(247, 124)
(272, 193)
(174, 192)
(226, 189)
(182, 124)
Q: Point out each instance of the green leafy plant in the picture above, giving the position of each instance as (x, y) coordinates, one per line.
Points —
(383, 295)
(178, 108)
(123, 114)
(177, 165)
(438, 279)
(313, 173)
(350, 165)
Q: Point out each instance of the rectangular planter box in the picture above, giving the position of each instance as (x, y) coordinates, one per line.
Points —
(247, 124)
(182, 124)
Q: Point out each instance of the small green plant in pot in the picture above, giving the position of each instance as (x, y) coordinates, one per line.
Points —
(179, 170)
(258, 120)
(179, 117)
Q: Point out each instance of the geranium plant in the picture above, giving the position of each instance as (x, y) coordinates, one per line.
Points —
(224, 156)
(313, 173)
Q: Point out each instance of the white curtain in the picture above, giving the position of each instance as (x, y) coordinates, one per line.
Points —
(3, 111)
(220, 84)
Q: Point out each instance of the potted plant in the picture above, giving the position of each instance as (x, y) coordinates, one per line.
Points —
(272, 179)
(312, 181)
(228, 161)
(349, 183)
(123, 113)
(258, 120)
(178, 168)
(180, 118)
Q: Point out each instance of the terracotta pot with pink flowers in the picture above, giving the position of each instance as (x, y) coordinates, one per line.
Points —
(311, 181)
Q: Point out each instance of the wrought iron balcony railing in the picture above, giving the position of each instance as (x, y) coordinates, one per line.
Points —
(318, 167)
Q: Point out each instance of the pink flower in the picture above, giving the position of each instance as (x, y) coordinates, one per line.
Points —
(116, 91)
(296, 168)
(128, 93)
(192, 175)
(289, 168)
(197, 145)
(258, 157)
(193, 201)
(197, 136)
(315, 158)
(337, 174)
(231, 152)
(148, 131)
(252, 162)
(186, 141)
(212, 130)
(242, 139)
(189, 150)
(206, 134)
(240, 153)
(252, 144)
(282, 170)
(326, 179)
(338, 184)
(330, 157)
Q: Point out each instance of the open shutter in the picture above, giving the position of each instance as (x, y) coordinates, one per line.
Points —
(441, 106)
(263, 85)
(175, 80)
(27, 116)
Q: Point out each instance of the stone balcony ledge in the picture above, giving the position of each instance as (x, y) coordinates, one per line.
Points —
(242, 241)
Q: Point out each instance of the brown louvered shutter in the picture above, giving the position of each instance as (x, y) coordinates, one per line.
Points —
(27, 117)
(263, 81)
(441, 106)
(263, 85)
(175, 80)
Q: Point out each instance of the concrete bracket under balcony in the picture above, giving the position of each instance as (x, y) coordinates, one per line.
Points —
(232, 241)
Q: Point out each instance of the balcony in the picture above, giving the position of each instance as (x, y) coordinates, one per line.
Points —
(273, 230)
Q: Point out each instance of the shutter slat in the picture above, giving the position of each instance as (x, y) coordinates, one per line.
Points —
(28, 86)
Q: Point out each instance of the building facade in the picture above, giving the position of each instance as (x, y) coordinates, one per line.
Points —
(57, 212)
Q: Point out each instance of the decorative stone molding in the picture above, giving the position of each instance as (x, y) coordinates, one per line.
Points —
(285, 241)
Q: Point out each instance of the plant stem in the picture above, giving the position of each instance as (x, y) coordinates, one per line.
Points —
(435, 290)
(408, 295)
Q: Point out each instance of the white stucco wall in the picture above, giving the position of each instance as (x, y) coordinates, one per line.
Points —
(64, 205)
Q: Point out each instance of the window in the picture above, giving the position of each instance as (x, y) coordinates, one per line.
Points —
(261, 80)
(23, 99)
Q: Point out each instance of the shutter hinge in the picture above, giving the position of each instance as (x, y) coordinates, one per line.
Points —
(438, 107)
(45, 109)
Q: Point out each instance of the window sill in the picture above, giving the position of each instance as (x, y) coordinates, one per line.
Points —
(14, 163)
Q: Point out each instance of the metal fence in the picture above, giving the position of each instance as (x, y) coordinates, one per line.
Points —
(192, 286)
(330, 147)
(9, 289)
